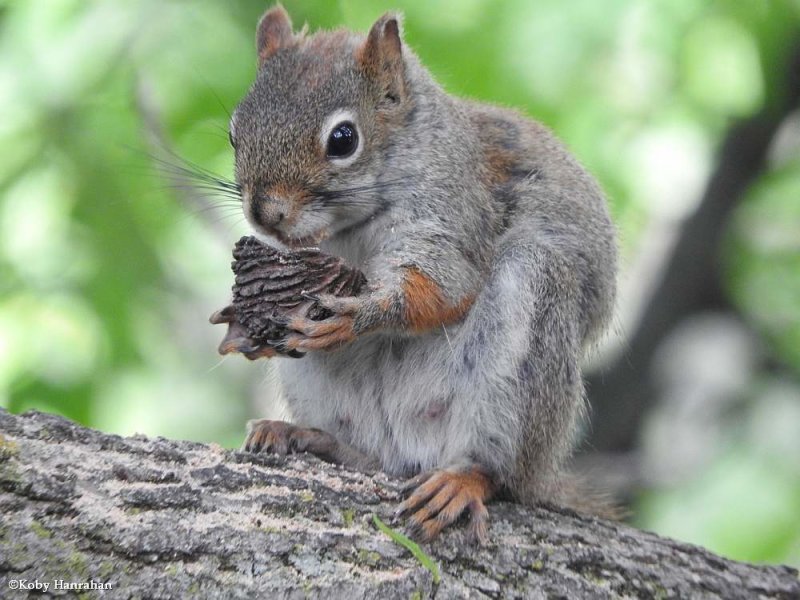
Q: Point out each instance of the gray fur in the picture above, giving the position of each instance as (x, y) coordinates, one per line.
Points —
(489, 204)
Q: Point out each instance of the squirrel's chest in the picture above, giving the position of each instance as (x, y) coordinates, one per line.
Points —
(388, 396)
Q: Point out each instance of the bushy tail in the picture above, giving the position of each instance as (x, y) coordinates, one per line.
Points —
(578, 493)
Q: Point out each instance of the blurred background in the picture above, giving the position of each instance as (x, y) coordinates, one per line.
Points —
(684, 109)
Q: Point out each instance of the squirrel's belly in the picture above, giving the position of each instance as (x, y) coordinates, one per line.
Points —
(390, 397)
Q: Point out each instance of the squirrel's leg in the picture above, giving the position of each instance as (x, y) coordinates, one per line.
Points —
(518, 355)
(516, 387)
(282, 438)
(414, 304)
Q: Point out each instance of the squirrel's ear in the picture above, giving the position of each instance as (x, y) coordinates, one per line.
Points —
(381, 55)
(274, 32)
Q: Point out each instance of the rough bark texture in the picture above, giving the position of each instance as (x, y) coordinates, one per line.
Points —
(166, 519)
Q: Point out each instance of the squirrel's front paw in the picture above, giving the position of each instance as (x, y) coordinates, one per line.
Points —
(327, 334)
(282, 438)
(441, 497)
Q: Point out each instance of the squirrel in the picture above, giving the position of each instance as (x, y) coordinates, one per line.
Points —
(491, 260)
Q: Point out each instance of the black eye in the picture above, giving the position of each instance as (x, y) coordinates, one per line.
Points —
(230, 139)
(343, 140)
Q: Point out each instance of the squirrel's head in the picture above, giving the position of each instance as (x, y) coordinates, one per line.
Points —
(312, 134)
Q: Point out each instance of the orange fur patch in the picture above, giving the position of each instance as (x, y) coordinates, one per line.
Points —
(498, 165)
(289, 192)
(425, 304)
(498, 160)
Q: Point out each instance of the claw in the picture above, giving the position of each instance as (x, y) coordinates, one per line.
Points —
(279, 345)
(280, 320)
(248, 347)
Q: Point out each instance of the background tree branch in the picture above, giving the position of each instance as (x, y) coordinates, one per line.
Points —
(622, 393)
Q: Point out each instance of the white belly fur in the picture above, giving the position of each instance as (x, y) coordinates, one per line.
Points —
(387, 396)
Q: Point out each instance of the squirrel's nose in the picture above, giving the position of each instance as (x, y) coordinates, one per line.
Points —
(271, 211)
(272, 216)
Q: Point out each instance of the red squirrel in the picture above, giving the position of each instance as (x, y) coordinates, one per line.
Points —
(491, 261)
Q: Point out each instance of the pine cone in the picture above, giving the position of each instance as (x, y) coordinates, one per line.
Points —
(271, 286)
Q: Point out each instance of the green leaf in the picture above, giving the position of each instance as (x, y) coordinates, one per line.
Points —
(411, 546)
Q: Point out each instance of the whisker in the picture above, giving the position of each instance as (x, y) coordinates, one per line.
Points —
(343, 192)
(227, 210)
(168, 168)
(211, 216)
(224, 210)
(204, 187)
(221, 104)
(181, 166)
(213, 196)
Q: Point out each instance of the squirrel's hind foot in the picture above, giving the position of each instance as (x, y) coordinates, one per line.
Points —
(440, 497)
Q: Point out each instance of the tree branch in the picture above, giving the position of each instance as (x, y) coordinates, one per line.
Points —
(166, 519)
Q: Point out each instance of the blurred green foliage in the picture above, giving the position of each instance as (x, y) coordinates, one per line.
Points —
(108, 278)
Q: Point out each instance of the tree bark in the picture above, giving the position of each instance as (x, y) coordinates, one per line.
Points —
(157, 518)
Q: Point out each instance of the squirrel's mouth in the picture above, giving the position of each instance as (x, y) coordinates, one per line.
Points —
(295, 242)
(285, 237)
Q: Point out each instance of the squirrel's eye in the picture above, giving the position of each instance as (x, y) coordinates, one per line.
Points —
(230, 139)
(343, 140)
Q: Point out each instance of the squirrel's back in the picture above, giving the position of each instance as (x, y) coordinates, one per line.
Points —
(541, 188)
